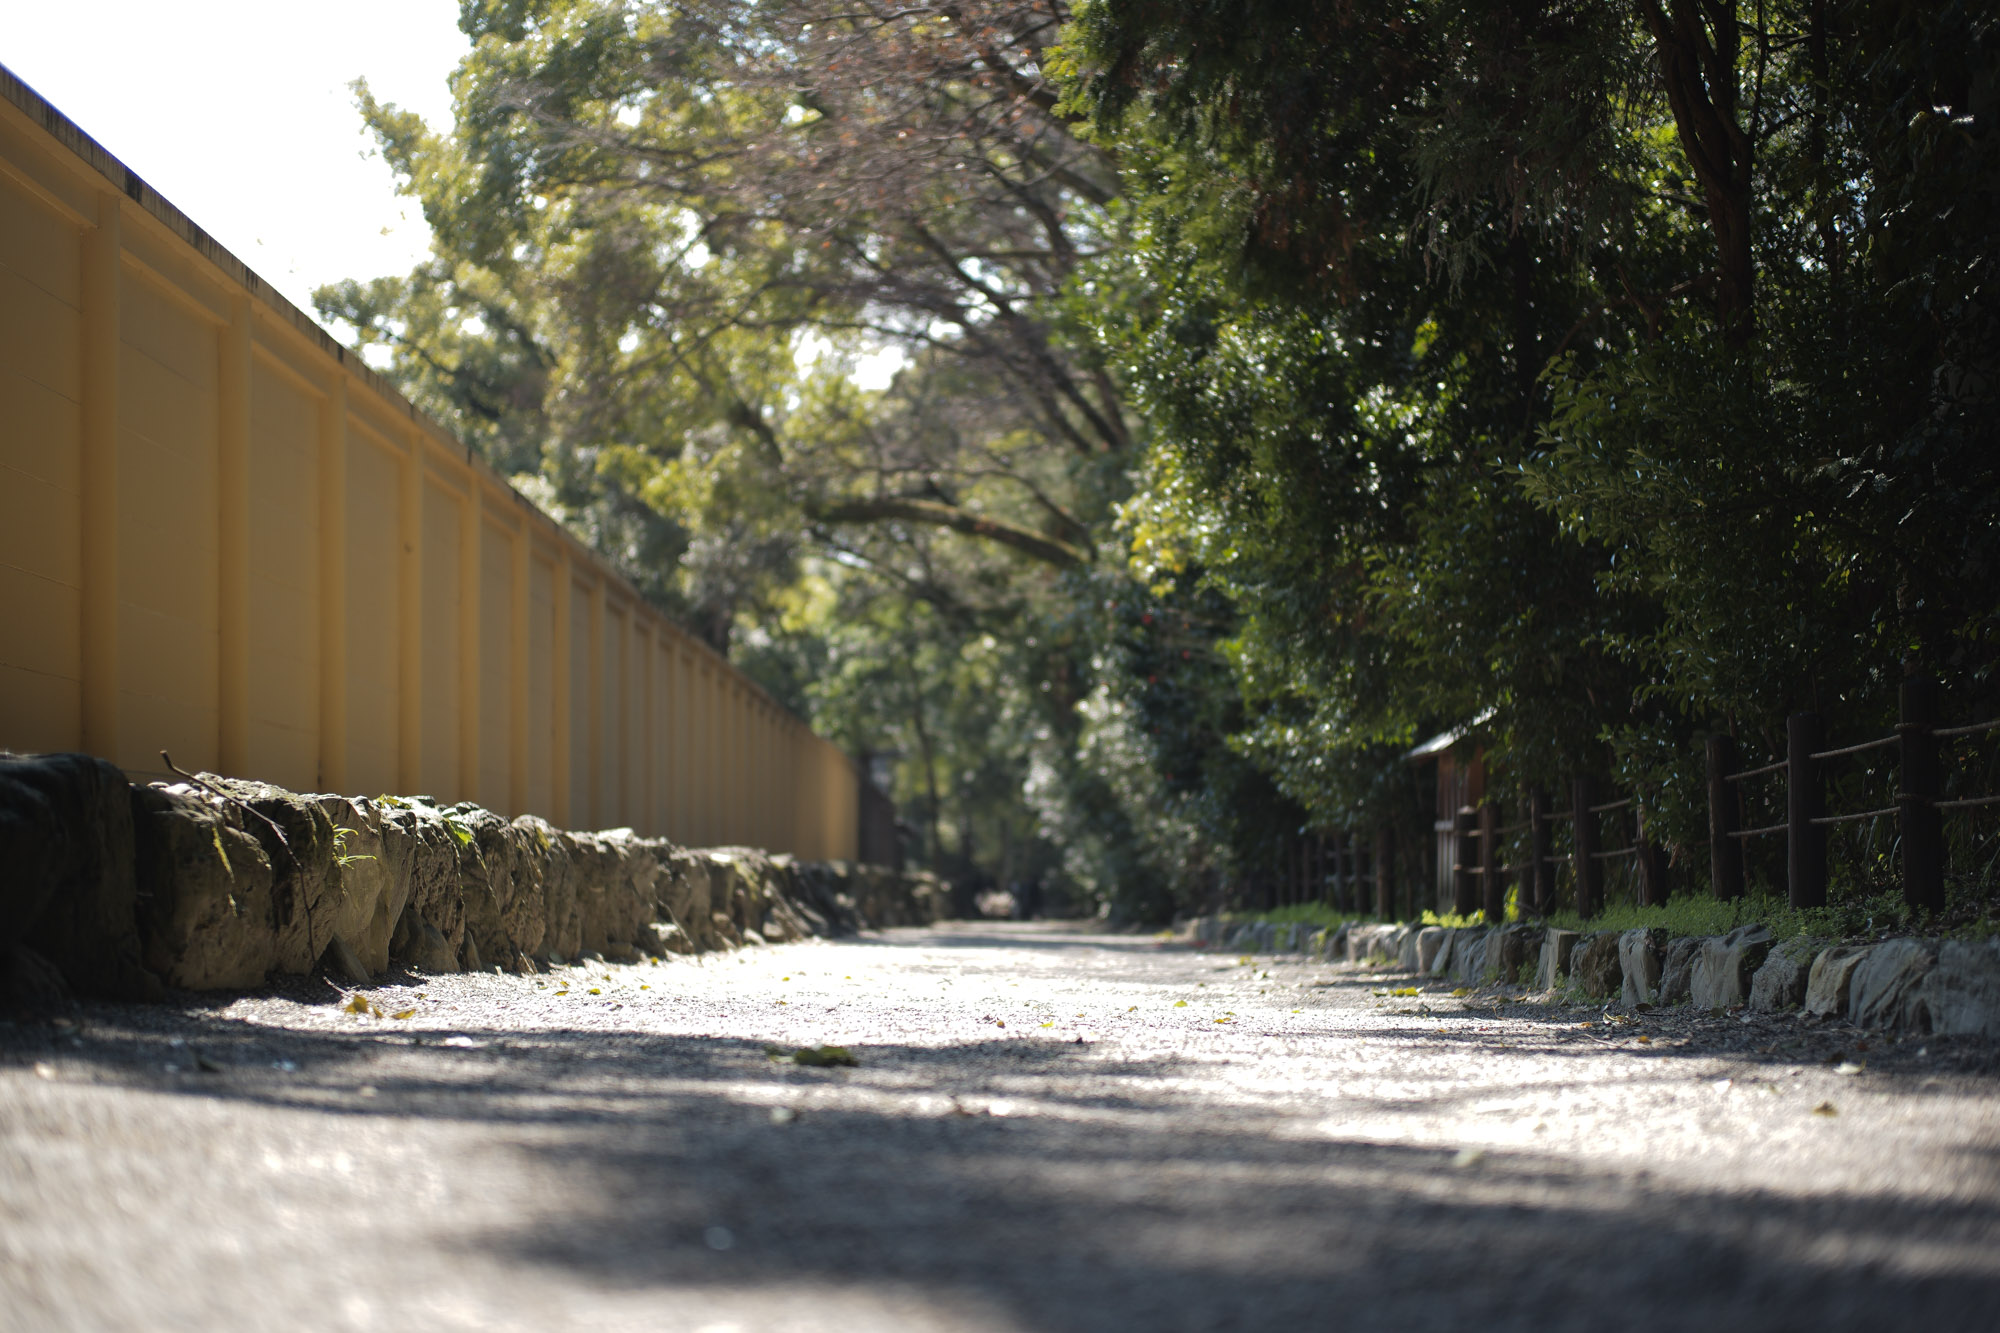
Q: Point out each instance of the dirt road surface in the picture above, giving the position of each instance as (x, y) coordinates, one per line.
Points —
(1046, 1129)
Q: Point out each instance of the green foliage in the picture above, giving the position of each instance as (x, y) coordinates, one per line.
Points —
(1492, 399)
(1278, 385)
(1311, 914)
(341, 856)
(1858, 913)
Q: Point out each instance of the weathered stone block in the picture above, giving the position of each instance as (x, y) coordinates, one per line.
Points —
(1781, 982)
(370, 884)
(298, 839)
(206, 882)
(1962, 992)
(1511, 949)
(1468, 955)
(429, 950)
(1371, 944)
(487, 857)
(67, 887)
(1677, 969)
(1594, 965)
(1831, 976)
(1431, 941)
(1885, 990)
(1639, 965)
(1723, 967)
(416, 833)
(1557, 947)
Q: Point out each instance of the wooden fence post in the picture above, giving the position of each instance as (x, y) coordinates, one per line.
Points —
(1805, 801)
(1385, 874)
(1525, 889)
(1492, 892)
(1464, 898)
(1350, 871)
(1725, 853)
(1653, 883)
(1583, 837)
(1540, 883)
(1918, 789)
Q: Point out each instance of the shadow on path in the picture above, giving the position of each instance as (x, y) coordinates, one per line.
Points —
(1110, 1200)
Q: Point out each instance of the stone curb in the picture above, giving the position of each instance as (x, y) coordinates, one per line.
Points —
(218, 884)
(1899, 985)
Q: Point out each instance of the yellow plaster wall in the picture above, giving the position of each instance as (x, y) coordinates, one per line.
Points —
(223, 537)
(41, 390)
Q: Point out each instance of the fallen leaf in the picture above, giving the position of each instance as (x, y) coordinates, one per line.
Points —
(823, 1056)
(1051, 1023)
(1461, 992)
(404, 1013)
(1405, 990)
(1180, 1004)
(1824, 1108)
(1644, 1040)
(1849, 1068)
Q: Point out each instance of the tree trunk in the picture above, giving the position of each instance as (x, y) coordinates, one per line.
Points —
(1699, 43)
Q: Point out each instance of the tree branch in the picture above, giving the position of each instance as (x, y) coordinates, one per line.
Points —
(1039, 546)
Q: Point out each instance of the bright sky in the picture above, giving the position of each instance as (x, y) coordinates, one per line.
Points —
(238, 112)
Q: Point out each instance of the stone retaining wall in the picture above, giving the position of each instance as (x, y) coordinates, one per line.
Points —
(216, 884)
(1909, 985)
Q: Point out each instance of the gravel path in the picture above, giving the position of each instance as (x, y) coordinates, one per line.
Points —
(1047, 1129)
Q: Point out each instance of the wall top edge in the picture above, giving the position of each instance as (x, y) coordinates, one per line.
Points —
(100, 160)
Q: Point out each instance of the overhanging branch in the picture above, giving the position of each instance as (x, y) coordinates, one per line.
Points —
(1040, 546)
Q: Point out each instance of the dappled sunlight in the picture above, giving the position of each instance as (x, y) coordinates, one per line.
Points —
(571, 1137)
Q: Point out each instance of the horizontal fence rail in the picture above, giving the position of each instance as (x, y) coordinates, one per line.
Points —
(1480, 856)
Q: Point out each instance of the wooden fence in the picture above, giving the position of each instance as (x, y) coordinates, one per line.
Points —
(1488, 856)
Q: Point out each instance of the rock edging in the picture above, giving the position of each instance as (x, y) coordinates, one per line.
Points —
(1905, 985)
(217, 884)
